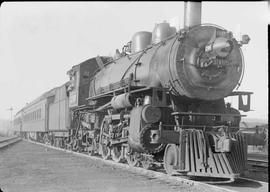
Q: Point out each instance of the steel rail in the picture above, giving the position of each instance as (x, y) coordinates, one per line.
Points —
(8, 141)
(258, 162)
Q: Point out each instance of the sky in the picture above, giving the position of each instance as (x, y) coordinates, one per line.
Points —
(41, 41)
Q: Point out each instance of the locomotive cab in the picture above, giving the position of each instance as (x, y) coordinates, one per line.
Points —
(80, 76)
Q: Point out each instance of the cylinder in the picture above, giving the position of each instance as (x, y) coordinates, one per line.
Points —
(121, 101)
(140, 41)
(192, 15)
(151, 114)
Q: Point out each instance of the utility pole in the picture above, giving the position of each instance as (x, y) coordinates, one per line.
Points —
(10, 109)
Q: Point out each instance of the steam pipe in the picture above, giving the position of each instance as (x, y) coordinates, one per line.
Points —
(192, 15)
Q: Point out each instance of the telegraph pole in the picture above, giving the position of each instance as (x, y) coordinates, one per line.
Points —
(10, 109)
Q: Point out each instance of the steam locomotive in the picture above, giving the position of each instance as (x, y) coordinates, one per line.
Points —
(158, 102)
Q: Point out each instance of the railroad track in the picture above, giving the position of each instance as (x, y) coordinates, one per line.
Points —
(258, 163)
(238, 185)
(4, 142)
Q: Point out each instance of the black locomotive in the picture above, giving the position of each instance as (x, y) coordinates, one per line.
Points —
(158, 102)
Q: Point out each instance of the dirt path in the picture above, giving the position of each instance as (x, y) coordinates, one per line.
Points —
(29, 167)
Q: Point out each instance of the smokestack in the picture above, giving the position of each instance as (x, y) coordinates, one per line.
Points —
(192, 15)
